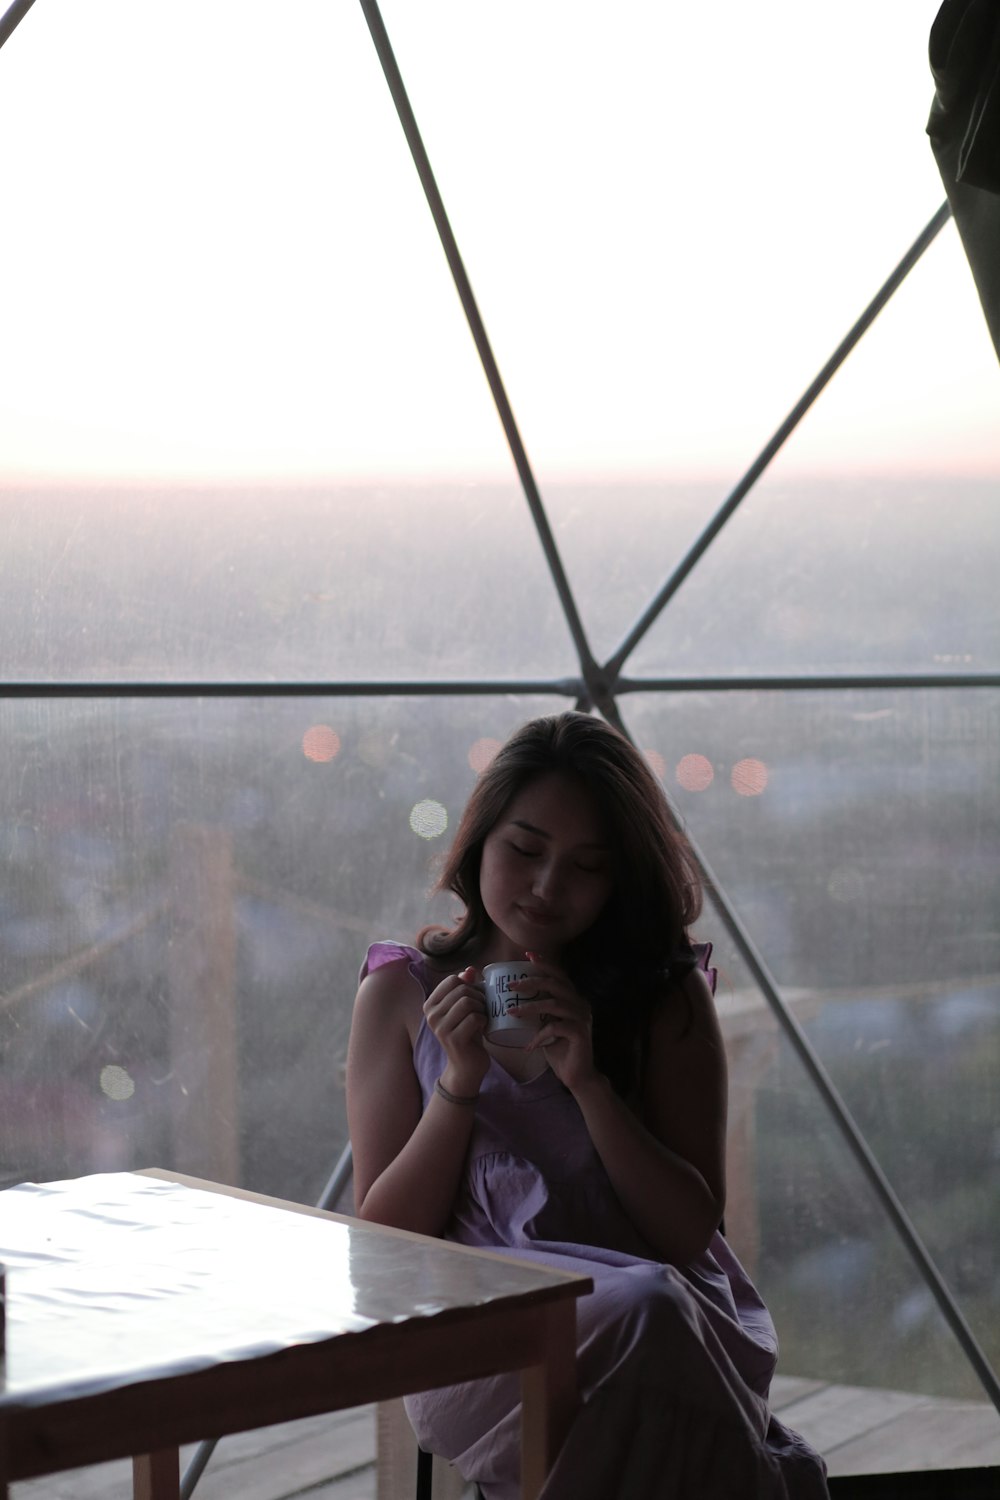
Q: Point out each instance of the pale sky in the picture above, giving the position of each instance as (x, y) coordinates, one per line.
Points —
(218, 262)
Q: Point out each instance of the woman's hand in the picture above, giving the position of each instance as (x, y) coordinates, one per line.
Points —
(566, 1025)
(456, 1013)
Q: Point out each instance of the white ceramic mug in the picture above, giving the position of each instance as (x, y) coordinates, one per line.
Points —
(501, 1027)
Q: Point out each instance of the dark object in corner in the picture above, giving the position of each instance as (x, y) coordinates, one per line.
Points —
(964, 128)
(931, 1484)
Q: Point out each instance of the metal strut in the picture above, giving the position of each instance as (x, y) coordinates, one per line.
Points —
(614, 663)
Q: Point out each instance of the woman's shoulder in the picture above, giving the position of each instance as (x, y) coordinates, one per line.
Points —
(394, 972)
(394, 982)
(686, 1004)
(390, 966)
(385, 952)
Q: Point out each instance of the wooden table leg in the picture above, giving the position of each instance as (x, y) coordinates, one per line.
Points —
(549, 1398)
(156, 1476)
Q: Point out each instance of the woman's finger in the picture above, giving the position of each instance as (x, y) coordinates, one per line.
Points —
(449, 991)
(463, 1010)
(571, 1009)
(560, 1029)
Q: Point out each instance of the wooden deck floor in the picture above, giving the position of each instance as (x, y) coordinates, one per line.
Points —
(863, 1431)
(858, 1430)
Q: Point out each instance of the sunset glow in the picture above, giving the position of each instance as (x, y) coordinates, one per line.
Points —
(263, 302)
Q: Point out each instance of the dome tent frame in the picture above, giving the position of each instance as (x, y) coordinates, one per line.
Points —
(600, 686)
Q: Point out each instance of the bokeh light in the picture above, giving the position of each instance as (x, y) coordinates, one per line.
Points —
(749, 777)
(429, 819)
(481, 753)
(656, 763)
(116, 1082)
(694, 773)
(320, 743)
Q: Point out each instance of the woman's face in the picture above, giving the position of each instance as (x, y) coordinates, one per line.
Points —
(545, 874)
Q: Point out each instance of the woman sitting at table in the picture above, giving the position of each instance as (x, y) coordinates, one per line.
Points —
(598, 1148)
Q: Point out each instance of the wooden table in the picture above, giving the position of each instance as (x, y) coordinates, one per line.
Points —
(148, 1310)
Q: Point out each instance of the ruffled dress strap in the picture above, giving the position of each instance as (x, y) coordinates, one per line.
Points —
(688, 956)
(390, 952)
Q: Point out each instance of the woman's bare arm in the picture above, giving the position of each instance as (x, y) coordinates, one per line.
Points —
(407, 1165)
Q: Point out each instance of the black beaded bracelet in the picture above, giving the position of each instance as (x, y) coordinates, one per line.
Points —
(469, 1100)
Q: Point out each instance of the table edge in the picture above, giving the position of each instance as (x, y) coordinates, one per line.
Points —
(574, 1283)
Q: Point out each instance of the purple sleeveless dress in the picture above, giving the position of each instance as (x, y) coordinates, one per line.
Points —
(674, 1364)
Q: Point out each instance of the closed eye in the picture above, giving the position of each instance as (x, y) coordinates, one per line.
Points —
(524, 853)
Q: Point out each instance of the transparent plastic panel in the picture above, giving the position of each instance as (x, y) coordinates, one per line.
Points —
(187, 892)
(247, 280)
(671, 214)
(871, 542)
(836, 575)
(855, 837)
(328, 584)
(856, 833)
(619, 540)
(671, 304)
(920, 393)
(849, 1303)
(224, 262)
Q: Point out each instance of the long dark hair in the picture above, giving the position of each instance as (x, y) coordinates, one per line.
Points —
(624, 962)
